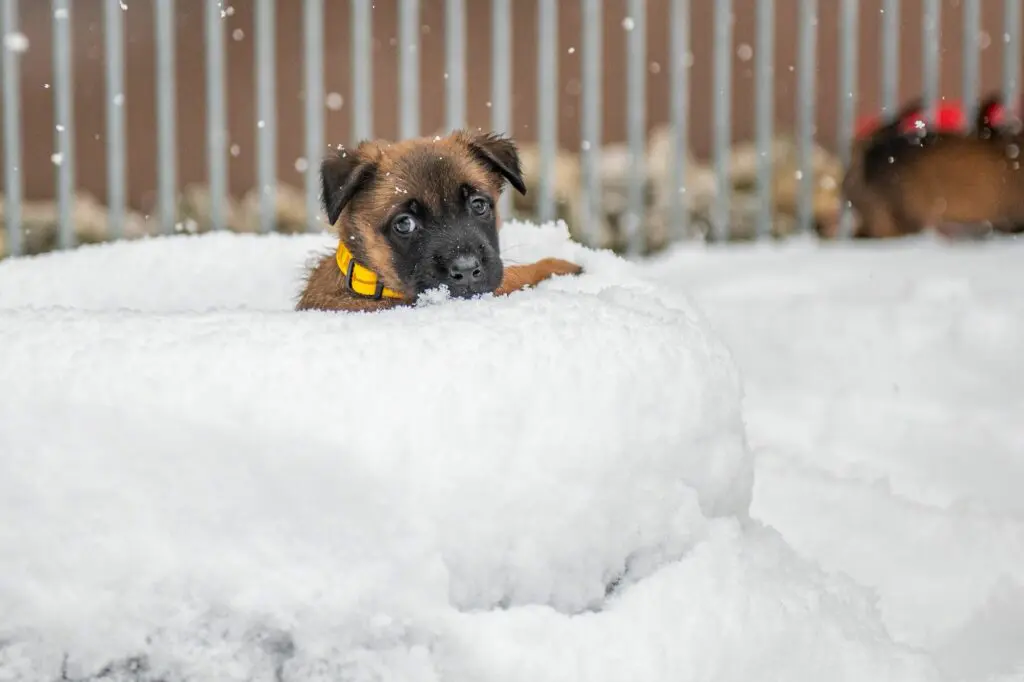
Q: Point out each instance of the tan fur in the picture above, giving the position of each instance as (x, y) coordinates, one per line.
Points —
(966, 181)
(424, 168)
(956, 183)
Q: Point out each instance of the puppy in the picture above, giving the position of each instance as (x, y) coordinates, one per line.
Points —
(957, 183)
(415, 215)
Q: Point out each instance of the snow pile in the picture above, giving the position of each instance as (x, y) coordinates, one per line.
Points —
(884, 389)
(200, 484)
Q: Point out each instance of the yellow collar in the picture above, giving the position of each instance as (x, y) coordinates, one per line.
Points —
(359, 278)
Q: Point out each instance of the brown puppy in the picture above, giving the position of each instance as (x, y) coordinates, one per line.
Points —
(415, 215)
(957, 183)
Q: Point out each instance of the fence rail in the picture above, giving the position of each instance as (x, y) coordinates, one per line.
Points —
(592, 55)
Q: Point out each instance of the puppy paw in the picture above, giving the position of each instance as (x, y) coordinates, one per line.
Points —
(556, 266)
(518, 277)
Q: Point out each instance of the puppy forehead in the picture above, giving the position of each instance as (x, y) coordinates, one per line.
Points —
(432, 172)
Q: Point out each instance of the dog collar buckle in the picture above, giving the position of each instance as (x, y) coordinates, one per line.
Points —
(347, 264)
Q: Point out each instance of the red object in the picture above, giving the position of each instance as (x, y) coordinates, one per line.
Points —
(950, 118)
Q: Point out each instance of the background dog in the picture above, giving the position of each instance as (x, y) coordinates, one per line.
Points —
(415, 215)
(960, 183)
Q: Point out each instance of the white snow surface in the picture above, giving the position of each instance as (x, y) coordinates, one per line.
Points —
(200, 484)
(884, 394)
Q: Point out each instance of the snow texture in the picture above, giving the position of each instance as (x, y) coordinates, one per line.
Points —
(201, 484)
(884, 388)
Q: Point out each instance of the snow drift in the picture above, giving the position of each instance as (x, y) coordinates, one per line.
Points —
(201, 484)
(883, 389)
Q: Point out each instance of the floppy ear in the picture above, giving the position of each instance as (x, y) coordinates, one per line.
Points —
(986, 108)
(342, 175)
(500, 155)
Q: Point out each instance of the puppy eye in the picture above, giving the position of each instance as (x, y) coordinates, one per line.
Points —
(404, 224)
(479, 205)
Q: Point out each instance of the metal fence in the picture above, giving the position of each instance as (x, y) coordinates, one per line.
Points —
(265, 105)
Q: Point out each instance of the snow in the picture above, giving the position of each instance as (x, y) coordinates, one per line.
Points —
(883, 391)
(570, 483)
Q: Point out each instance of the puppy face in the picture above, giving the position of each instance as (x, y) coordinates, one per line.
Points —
(423, 213)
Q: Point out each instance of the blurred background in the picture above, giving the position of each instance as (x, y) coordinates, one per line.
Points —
(680, 85)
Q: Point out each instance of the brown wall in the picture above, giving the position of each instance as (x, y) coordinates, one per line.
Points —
(90, 97)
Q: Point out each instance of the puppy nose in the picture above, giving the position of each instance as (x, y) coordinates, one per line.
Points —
(465, 269)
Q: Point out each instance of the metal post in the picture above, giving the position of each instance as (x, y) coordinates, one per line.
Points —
(266, 114)
(765, 117)
(313, 63)
(409, 68)
(166, 114)
(592, 106)
(13, 187)
(636, 123)
(216, 116)
(722, 125)
(65, 123)
(547, 106)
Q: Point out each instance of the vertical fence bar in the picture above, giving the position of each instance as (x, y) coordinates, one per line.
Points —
(806, 94)
(501, 79)
(65, 123)
(216, 116)
(636, 122)
(113, 34)
(266, 125)
(848, 40)
(930, 58)
(1011, 54)
(547, 106)
(970, 59)
(166, 107)
(590, 117)
(679, 210)
(890, 56)
(313, 70)
(13, 187)
(722, 117)
(409, 68)
(455, 63)
(765, 116)
(361, 35)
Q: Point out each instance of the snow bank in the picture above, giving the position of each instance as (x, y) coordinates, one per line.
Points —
(201, 484)
(884, 389)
